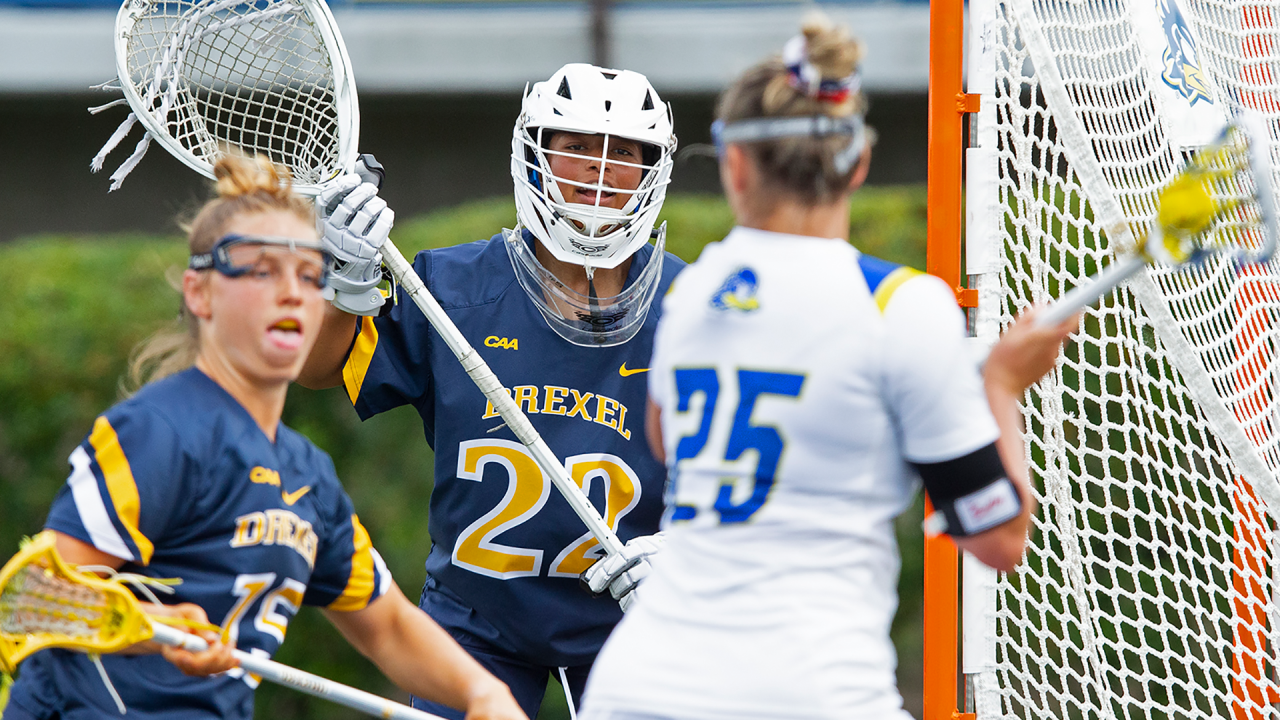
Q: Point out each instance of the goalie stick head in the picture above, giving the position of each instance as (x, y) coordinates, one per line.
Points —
(210, 77)
(45, 603)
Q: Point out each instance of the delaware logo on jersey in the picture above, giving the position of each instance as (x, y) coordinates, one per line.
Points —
(1181, 61)
(738, 292)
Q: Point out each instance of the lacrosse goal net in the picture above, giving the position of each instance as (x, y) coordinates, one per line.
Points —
(1150, 586)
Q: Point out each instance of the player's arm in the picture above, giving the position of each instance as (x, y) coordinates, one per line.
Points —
(323, 368)
(653, 430)
(421, 658)
(961, 430)
(214, 660)
(983, 499)
(1022, 356)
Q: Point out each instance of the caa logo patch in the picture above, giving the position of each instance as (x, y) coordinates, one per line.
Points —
(1181, 61)
(505, 343)
(738, 292)
(264, 476)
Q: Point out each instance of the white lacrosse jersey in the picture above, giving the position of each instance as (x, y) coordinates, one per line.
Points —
(796, 378)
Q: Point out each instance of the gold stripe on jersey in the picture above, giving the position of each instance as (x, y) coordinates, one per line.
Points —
(360, 583)
(891, 283)
(357, 367)
(120, 483)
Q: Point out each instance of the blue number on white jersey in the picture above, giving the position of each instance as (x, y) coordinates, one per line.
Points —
(743, 436)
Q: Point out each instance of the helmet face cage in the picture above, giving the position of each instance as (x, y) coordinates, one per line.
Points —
(611, 104)
(585, 320)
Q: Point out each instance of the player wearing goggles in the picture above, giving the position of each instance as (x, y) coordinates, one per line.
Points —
(195, 477)
(255, 255)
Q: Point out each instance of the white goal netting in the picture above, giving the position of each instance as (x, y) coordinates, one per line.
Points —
(1150, 588)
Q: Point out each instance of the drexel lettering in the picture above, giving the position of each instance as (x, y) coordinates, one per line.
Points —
(556, 400)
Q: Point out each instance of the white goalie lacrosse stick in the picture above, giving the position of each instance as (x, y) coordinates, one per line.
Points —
(46, 603)
(1222, 202)
(272, 78)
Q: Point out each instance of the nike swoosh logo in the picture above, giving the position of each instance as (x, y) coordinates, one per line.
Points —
(624, 372)
(293, 497)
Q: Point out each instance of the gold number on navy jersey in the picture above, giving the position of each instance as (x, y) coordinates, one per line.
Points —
(621, 491)
(527, 491)
(279, 604)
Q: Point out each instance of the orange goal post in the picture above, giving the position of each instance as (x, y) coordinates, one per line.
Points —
(1149, 589)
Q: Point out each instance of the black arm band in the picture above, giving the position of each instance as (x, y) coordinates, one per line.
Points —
(970, 494)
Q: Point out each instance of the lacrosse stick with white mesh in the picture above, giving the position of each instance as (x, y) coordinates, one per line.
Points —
(272, 79)
(45, 603)
(1222, 202)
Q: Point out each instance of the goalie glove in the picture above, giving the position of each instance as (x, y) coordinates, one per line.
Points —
(620, 574)
(353, 223)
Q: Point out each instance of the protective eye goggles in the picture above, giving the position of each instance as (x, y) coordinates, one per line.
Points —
(761, 129)
(220, 257)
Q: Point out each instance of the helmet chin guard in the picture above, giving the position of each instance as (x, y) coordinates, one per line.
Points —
(615, 104)
(587, 320)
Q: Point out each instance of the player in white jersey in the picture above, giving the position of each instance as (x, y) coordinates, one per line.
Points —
(798, 390)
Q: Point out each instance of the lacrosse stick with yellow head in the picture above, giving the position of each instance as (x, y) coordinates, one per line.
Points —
(45, 603)
(1223, 202)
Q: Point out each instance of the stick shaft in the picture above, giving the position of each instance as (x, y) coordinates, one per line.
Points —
(369, 703)
(1085, 295)
(498, 396)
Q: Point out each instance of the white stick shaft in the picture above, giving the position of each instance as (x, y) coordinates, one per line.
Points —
(498, 396)
(1085, 295)
(369, 703)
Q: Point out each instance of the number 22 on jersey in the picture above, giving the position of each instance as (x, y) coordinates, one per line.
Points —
(527, 491)
(742, 436)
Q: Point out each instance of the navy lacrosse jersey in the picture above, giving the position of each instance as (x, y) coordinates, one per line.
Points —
(504, 540)
(182, 483)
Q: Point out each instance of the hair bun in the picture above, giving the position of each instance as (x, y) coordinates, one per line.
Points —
(829, 47)
(238, 176)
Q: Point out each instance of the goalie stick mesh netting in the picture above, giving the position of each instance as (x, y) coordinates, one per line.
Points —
(250, 76)
(1149, 589)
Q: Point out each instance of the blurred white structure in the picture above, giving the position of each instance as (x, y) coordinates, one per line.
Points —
(691, 47)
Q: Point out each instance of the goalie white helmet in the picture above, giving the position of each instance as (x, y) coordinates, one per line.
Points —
(604, 211)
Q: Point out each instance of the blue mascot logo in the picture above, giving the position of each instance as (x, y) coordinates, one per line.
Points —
(738, 292)
(1181, 63)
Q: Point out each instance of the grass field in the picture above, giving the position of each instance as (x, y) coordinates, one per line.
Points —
(73, 307)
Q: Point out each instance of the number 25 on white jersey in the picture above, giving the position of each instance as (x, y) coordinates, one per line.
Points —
(724, 435)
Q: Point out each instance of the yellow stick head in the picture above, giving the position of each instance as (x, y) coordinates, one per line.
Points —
(46, 603)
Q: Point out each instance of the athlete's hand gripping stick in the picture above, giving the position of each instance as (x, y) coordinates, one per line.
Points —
(46, 603)
(622, 573)
(354, 224)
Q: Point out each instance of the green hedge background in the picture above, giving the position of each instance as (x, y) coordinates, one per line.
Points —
(72, 308)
